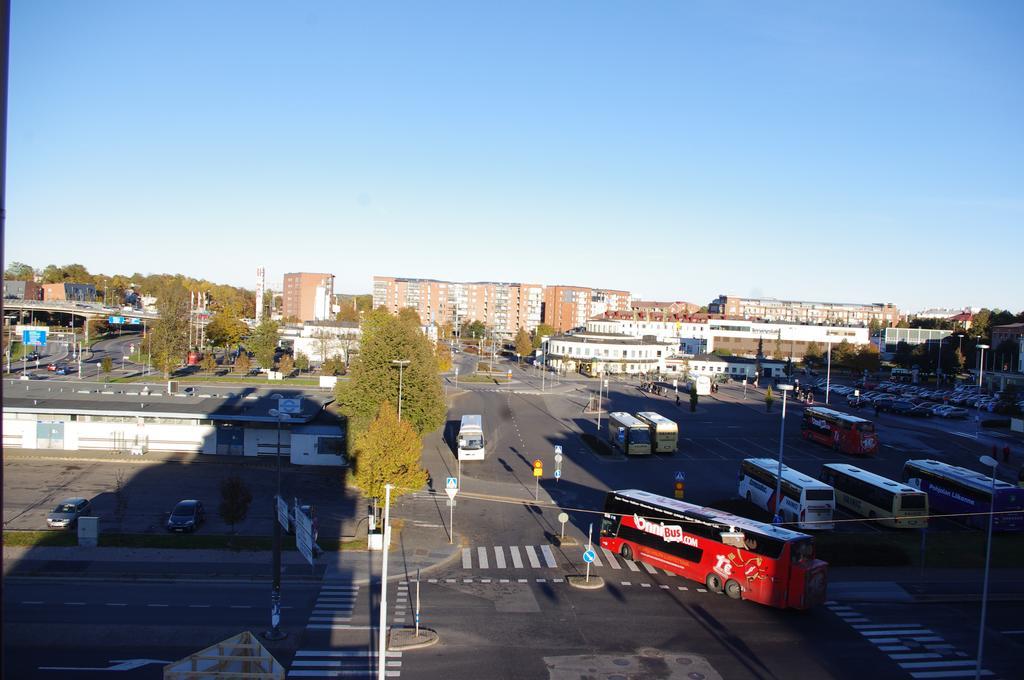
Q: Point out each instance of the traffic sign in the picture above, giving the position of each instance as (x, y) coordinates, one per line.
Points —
(282, 512)
(680, 476)
(451, 486)
(115, 319)
(289, 405)
(563, 517)
(558, 452)
(131, 348)
(558, 474)
(558, 458)
(589, 556)
(538, 468)
(35, 336)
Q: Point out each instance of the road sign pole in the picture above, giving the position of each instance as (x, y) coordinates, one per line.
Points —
(536, 488)
(417, 603)
(590, 530)
(451, 521)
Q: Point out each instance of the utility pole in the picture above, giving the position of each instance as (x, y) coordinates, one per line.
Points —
(382, 625)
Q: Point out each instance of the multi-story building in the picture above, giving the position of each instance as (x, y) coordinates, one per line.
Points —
(568, 307)
(22, 290)
(649, 307)
(80, 292)
(308, 296)
(793, 311)
(503, 307)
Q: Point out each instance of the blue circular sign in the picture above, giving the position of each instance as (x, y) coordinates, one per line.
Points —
(589, 556)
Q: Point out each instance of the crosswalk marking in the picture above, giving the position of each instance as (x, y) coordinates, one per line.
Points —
(517, 561)
(467, 560)
(611, 558)
(549, 557)
(531, 554)
(499, 557)
(481, 553)
(597, 559)
(649, 568)
(632, 565)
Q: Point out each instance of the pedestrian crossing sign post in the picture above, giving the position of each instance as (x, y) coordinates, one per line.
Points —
(451, 487)
(680, 484)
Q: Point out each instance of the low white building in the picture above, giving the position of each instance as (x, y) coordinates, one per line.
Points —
(322, 340)
(722, 367)
(599, 353)
(739, 336)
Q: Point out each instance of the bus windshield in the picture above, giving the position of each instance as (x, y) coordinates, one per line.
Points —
(640, 435)
(864, 427)
(912, 501)
(471, 442)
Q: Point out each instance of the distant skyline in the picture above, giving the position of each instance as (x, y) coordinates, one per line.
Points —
(842, 152)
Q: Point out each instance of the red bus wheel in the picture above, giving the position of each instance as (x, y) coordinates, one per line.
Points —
(626, 552)
(733, 589)
(714, 583)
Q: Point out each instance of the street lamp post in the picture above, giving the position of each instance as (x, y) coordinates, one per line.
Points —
(778, 478)
(828, 375)
(992, 463)
(275, 632)
(981, 365)
(401, 363)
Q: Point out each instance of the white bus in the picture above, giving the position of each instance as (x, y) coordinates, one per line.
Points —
(869, 495)
(806, 502)
(471, 438)
(630, 435)
(664, 432)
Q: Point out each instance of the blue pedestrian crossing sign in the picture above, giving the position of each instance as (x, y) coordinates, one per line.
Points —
(451, 486)
(680, 476)
(558, 473)
(589, 556)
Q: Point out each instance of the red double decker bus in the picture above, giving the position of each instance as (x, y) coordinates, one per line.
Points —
(746, 559)
(841, 431)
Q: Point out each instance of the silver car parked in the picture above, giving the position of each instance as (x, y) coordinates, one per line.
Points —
(67, 512)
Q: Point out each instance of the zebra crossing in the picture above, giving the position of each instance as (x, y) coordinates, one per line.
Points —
(915, 648)
(499, 557)
(333, 612)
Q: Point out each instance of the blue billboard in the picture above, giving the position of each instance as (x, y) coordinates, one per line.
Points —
(33, 337)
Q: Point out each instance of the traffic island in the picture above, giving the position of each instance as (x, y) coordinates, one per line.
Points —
(404, 639)
(565, 541)
(580, 581)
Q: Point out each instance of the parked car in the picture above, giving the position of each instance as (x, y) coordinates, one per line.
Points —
(67, 512)
(884, 404)
(186, 516)
(901, 407)
(955, 412)
(921, 411)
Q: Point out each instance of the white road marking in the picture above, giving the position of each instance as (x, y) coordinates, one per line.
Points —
(917, 630)
(499, 557)
(939, 664)
(611, 558)
(632, 565)
(649, 568)
(517, 561)
(893, 648)
(342, 652)
(531, 554)
(466, 558)
(887, 626)
(549, 557)
(966, 673)
(626, 583)
(481, 554)
(919, 655)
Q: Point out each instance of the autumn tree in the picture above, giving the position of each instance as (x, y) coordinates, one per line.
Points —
(235, 499)
(208, 364)
(226, 329)
(388, 452)
(242, 363)
(168, 337)
(374, 379)
(542, 331)
(523, 344)
(263, 343)
(286, 365)
(301, 362)
(19, 271)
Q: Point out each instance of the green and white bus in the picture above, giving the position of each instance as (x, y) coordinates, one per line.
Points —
(866, 494)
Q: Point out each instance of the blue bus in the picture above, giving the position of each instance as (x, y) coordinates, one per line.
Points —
(953, 490)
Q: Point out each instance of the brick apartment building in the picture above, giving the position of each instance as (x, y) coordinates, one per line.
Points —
(568, 307)
(79, 292)
(307, 296)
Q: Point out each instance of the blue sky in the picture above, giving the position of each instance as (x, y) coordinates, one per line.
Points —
(862, 151)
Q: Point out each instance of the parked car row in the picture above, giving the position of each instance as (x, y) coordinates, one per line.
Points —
(906, 405)
(187, 515)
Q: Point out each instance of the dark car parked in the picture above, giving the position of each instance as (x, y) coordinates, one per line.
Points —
(186, 516)
(901, 407)
(922, 411)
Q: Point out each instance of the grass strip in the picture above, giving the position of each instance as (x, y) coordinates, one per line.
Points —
(200, 541)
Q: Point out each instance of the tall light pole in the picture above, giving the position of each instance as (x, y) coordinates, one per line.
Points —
(382, 626)
(828, 376)
(981, 365)
(992, 463)
(782, 433)
(275, 632)
(605, 383)
(401, 363)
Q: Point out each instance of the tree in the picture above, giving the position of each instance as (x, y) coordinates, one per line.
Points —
(301, 362)
(768, 399)
(226, 329)
(326, 344)
(208, 364)
(812, 355)
(263, 343)
(473, 329)
(693, 397)
(444, 358)
(903, 356)
(374, 378)
(19, 271)
(980, 323)
(168, 338)
(242, 363)
(106, 364)
(959, 360)
(874, 328)
(388, 452)
(235, 498)
(523, 344)
(333, 366)
(542, 331)
(286, 365)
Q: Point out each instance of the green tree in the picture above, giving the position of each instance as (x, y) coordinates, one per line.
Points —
(333, 366)
(235, 498)
(106, 364)
(263, 343)
(444, 358)
(242, 363)
(542, 331)
(208, 364)
(286, 365)
(301, 362)
(226, 329)
(874, 328)
(812, 355)
(348, 313)
(693, 397)
(523, 344)
(19, 271)
(473, 329)
(168, 337)
(980, 323)
(842, 353)
(374, 378)
(768, 398)
(388, 452)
